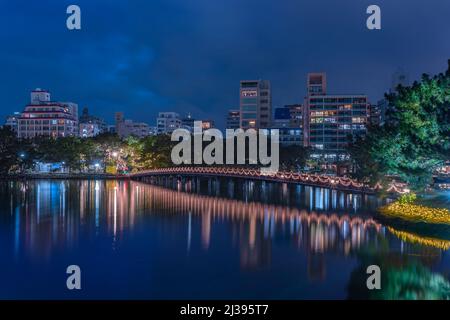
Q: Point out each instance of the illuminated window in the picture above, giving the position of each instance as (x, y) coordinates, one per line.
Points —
(249, 93)
(358, 120)
(345, 107)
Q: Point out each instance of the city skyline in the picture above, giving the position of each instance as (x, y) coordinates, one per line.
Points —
(131, 64)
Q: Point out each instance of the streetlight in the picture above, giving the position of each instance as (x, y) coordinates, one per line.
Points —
(22, 158)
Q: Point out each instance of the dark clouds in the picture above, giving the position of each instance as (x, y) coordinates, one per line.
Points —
(189, 55)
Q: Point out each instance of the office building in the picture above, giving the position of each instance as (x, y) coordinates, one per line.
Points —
(233, 119)
(281, 118)
(43, 117)
(317, 84)
(255, 104)
(287, 136)
(12, 121)
(167, 122)
(125, 127)
(329, 120)
(90, 126)
(289, 132)
(296, 113)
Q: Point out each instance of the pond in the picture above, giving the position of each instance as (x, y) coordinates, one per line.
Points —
(235, 240)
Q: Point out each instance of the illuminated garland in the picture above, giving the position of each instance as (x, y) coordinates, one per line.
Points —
(413, 238)
(416, 213)
(282, 176)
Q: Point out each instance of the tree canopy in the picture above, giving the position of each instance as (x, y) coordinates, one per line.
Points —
(415, 139)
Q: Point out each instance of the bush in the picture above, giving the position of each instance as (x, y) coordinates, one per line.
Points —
(408, 198)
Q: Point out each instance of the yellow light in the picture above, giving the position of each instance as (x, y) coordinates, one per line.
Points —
(413, 238)
(417, 213)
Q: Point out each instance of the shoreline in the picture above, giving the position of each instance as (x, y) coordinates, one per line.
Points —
(63, 176)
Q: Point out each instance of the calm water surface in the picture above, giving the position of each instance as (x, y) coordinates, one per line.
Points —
(212, 241)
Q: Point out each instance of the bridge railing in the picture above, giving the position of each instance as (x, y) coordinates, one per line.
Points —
(282, 176)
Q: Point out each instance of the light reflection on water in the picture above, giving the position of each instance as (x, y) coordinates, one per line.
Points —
(204, 240)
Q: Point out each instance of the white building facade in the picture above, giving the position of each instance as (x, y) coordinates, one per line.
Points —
(43, 117)
(167, 122)
(125, 127)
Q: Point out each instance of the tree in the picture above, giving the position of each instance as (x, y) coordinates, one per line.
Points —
(9, 150)
(149, 152)
(415, 139)
(293, 158)
(70, 150)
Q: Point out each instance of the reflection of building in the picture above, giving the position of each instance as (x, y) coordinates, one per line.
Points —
(331, 119)
(206, 229)
(316, 266)
(167, 122)
(91, 126)
(233, 119)
(125, 127)
(255, 104)
(50, 217)
(43, 117)
(255, 248)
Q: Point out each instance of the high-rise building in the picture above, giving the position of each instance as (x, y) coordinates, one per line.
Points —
(90, 126)
(329, 120)
(167, 122)
(43, 117)
(255, 104)
(125, 127)
(317, 84)
(233, 119)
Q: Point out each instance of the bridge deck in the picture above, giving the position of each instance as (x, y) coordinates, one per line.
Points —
(341, 183)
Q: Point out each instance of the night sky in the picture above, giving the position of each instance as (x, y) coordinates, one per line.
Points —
(142, 57)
